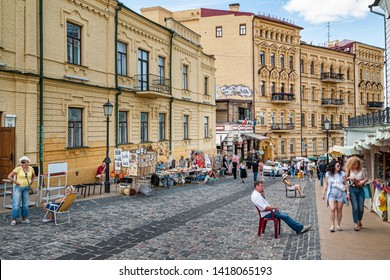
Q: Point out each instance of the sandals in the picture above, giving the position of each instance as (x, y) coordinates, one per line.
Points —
(360, 224)
(356, 228)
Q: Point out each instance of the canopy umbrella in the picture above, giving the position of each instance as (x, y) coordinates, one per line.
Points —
(342, 150)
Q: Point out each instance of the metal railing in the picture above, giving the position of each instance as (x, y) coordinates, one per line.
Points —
(151, 82)
(332, 101)
(371, 119)
(374, 104)
(282, 126)
(332, 76)
(276, 96)
(333, 126)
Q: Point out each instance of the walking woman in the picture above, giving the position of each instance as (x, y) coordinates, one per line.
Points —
(24, 178)
(356, 178)
(337, 193)
(243, 173)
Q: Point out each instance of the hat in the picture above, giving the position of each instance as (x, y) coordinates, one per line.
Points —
(24, 158)
(284, 176)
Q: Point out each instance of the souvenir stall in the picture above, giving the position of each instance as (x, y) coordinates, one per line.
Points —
(134, 169)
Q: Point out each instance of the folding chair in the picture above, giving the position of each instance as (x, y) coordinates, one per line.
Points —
(63, 208)
(263, 223)
(290, 190)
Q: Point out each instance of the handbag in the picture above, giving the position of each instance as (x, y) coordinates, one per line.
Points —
(339, 186)
(367, 191)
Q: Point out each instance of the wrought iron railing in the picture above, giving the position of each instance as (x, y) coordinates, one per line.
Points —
(333, 126)
(374, 104)
(371, 119)
(276, 96)
(282, 126)
(331, 101)
(151, 82)
(332, 76)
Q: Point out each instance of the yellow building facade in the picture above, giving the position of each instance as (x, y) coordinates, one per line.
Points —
(160, 82)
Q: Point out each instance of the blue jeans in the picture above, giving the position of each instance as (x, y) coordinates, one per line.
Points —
(295, 226)
(357, 200)
(255, 176)
(292, 171)
(20, 195)
(272, 174)
(322, 175)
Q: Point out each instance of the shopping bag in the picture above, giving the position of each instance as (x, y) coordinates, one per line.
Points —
(367, 191)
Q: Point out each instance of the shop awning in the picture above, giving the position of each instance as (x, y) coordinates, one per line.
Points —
(381, 139)
(219, 138)
(343, 150)
(256, 136)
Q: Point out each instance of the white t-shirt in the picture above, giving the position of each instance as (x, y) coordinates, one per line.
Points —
(260, 202)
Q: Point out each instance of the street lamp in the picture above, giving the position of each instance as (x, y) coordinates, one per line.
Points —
(327, 126)
(107, 112)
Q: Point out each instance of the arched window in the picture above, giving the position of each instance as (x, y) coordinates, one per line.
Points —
(312, 68)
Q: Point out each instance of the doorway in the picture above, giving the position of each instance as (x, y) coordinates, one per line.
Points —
(7, 151)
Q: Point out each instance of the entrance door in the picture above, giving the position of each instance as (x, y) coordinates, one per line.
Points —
(7, 151)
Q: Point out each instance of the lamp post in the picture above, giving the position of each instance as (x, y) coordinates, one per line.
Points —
(107, 107)
(327, 126)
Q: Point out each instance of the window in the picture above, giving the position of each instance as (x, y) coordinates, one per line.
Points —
(272, 87)
(361, 74)
(262, 120)
(262, 58)
(282, 144)
(322, 68)
(341, 120)
(312, 68)
(122, 127)
(303, 119)
(331, 69)
(161, 126)
(313, 120)
(73, 43)
(302, 66)
(272, 60)
(282, 87)
(144, 127)
(206, 85)
(291, 88)
(282, 118)
(281, 61)
(122, 59)
(291, 145)
(75, 127)
(241, 113)
(303, 92)
(185, 77)
(272, 118)
(314, 145)
(143, 65)
(161, 70)
(185, 126)
(291, 118)
(323, 144)
(367, 75)
(348, 74)
(262, 88)
(218, 31)
(206, 127)
(291, 62)
(243, 29)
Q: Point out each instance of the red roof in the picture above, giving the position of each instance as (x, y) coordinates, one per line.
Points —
(212, 12)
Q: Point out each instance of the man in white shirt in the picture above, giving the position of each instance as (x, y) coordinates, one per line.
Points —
(259, 201)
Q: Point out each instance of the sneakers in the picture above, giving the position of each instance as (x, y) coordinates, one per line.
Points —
(339, 228)
(26, 221)
(305, 228)
(331, 229)
(13, 222)
(46, 220)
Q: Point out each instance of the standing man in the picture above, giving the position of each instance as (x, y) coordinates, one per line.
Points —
(255, 168)
(259, 201)
(322, 169)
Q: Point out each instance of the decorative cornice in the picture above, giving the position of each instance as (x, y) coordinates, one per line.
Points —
(90, 8)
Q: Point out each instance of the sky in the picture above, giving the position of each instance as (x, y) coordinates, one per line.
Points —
(322, 20)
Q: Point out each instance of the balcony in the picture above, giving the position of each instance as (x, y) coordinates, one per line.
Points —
(374, 105)
(332, 77)
(151, 86)
(333, 127)
(331, 102)
(282, 127)
(281, 97)
(380, 117)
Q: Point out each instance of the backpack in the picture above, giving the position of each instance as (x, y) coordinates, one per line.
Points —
(155, 180)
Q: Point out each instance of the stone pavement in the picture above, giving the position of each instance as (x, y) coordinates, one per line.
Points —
(191, 222)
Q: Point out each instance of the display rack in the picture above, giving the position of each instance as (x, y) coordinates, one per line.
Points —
(55, 172)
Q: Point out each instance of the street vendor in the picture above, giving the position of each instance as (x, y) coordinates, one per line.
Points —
(160, 166)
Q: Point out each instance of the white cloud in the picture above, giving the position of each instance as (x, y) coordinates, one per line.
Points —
(320, 11)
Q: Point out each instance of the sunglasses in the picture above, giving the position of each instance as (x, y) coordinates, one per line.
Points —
(24, 161)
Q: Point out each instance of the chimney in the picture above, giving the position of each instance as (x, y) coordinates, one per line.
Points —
(234, 7)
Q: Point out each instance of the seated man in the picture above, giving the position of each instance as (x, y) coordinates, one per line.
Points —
(291, 187)
(210, 175)
(258, 199)
(101, 172)
(54, 205)
(160, 166)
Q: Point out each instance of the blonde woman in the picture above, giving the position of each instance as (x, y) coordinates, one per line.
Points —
(24, 175)
(55, 204)
(356, 178)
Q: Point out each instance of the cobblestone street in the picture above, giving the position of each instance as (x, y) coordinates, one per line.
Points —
(190, 222)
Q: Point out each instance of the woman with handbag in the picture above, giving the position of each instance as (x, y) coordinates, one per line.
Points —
(21, 191)
(337, 193)
(356, 177)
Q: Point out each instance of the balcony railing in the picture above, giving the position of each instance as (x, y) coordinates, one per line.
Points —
(333, 126)
(282, 126)
(332, 77)
(374, 105)
(152, 84)
(370, 119)
(331, 102)
(281, 96)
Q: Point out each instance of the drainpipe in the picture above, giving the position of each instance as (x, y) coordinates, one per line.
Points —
(300, 93)
(41, 86)
(253, 73)
(170, 91)
(354, 85)
(118, 90)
